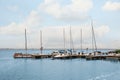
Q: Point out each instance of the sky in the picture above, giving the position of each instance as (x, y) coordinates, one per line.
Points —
(53, 16)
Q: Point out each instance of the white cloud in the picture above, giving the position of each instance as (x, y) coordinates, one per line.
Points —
(15, 31)
(53, 36)
(12, 28)
(76, 9)
(111, 6)
(31, 21)
(102, 30)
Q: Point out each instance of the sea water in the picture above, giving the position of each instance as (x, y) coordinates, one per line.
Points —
(48, 69)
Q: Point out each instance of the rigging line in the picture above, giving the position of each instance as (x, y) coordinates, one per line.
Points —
(41, 48)
(93, 34)
(71, 39)
(64, 39)
(25, 40)
(81, 39)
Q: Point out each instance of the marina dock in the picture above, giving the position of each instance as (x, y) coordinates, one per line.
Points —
(91, 57)
(35, 56)
(39, 56)
(103, 57)
(73, 56)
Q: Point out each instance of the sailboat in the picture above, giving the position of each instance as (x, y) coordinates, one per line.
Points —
(94, 45)
(21, 55)
(81, 53)
(66, 54)
(61, 54)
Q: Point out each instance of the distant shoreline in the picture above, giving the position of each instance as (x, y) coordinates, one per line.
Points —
(49, 49)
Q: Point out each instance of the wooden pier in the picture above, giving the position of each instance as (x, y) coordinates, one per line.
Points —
(73, 56)
(103, 57)
(40, 56)
(91, 57)
(35, 56)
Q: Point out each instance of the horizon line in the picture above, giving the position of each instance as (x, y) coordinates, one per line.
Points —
(63, 48)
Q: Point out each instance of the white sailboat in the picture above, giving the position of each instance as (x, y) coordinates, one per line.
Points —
(95, 52)
(60, 54)
(64, 54)
(81, 41)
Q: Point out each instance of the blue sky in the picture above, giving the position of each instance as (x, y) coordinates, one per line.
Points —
(51, 16)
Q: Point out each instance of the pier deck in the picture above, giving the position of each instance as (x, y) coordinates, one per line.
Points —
(87, 57)
(39, 56)
(107, 57)
(35, 56)
(91, 57)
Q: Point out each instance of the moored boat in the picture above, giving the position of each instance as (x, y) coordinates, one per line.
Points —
(64, 54)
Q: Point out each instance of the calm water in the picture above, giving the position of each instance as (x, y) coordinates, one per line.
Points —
(48, 69)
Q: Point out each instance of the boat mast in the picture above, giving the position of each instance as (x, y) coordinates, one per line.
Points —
(64, 39)
(93, 38)
(41, 48)
(25, 41)
(81, 39)
(71, 42)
